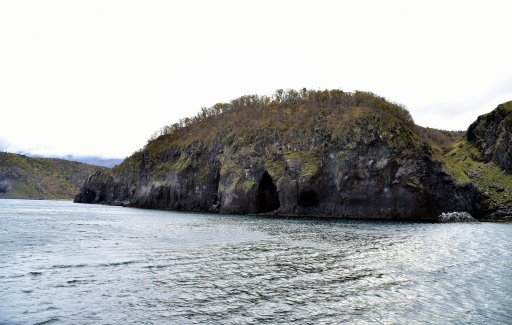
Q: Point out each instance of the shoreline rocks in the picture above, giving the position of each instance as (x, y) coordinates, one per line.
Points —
(456, 217)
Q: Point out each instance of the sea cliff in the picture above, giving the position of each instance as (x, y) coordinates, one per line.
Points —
(313, 153)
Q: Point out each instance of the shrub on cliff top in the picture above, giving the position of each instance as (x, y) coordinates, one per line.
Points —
(277, 110)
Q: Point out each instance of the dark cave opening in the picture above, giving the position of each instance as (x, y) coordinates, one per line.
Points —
(4, 188)
(90, 196)
(267, 198)
(308, 198)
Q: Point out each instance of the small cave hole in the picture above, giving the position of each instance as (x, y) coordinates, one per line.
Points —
(4, 188)
(90, 196)
(308, 198)
(216, 201)
(267, 198)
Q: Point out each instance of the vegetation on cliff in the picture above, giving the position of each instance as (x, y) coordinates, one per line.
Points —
(483, 157)
(321, 119)
(302, 152)
(467, 165)
(282, 113)
(41, 178)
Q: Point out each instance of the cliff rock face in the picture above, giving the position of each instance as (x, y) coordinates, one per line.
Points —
(312, 153)
(366, 182)
(487, 161)
(491, 134)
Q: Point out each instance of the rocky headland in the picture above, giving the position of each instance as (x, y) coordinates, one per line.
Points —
(316, 153)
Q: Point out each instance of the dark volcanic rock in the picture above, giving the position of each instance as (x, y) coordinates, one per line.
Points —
(491, 134)
(366, 182)
(317, 153)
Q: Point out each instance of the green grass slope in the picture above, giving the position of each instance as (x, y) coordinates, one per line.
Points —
(482, 157)
(41, 178)
(466, 164)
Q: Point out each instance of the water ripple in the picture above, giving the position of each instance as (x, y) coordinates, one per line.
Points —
(66, 264)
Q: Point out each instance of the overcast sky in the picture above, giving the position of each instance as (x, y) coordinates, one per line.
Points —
(99, 77)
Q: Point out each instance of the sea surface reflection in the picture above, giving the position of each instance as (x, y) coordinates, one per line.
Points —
(65, 263)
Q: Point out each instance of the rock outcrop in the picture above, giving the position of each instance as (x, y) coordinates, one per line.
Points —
(312, 153)
(486, 161)
(491, 134)
(456, 217)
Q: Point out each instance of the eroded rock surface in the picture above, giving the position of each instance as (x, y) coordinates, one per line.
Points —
(492, 136)
(316, 153)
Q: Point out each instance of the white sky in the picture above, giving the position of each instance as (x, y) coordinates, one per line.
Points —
(99, 77)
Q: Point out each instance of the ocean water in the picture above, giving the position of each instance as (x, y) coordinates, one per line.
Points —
(65, 263)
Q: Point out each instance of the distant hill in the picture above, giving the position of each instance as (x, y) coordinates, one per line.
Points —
(93, 160)
(90, 160)
(41, 178)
